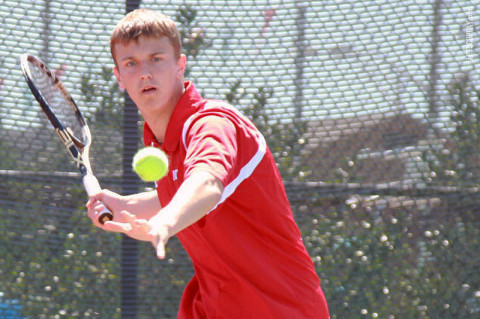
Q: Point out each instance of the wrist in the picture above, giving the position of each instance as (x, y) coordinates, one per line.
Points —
(162, 224)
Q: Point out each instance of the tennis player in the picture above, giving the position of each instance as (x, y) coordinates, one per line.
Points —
(223, 196)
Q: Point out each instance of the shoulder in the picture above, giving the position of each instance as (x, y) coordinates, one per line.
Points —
(220, 111)
(223, 122)
(214, 116)
(213, 126)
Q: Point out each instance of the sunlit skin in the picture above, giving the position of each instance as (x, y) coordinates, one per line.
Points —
(153, 77)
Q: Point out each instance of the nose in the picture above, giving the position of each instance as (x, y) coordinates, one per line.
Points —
(145, 71)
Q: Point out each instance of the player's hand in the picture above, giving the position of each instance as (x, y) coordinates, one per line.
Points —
(157, 235)
(113, 201)
(140, 229)
(122, 222)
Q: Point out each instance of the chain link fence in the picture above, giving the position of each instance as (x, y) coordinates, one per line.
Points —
(372, 111)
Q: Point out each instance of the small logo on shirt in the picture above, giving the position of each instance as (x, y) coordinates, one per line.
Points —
(175, 174)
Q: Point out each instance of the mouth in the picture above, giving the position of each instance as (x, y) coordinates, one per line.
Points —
(149, 90)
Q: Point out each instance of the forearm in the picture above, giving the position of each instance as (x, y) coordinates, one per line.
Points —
(197, 196)
(142, 218)
(143, 205)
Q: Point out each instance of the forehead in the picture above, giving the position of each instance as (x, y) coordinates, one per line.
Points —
(143, 46)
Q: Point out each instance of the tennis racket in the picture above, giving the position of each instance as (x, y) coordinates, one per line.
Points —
(65, 117)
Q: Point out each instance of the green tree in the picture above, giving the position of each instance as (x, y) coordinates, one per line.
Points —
(458, 161)
(194, 37)
(278, 133)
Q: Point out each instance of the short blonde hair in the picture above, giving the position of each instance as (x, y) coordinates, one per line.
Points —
(148, 23)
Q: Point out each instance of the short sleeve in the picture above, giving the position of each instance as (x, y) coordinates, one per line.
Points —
(211, 145)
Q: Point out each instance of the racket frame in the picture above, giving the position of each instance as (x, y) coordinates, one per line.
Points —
(77, 149)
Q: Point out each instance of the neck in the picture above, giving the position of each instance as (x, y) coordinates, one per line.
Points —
(158, 119)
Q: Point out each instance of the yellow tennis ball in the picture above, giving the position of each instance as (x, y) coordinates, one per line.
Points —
(150, 163)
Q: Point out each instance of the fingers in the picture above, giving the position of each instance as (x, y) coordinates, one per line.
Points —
(125, 225)
(94, 208)
(98, 202)
(94, 198)
(117, 227)
(160, 249)
(159, 240)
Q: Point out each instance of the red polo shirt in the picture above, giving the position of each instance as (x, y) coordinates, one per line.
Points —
(248, 255)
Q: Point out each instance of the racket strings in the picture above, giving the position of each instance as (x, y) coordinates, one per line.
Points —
(54, 94)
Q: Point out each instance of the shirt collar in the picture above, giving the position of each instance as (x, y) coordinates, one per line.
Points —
(188, 104)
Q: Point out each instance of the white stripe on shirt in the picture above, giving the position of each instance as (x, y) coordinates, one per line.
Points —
(245, 171)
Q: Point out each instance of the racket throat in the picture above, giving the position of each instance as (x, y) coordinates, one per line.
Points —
(73, 149)
(83, 170)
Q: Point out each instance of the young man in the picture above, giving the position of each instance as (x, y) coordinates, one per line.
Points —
(223, 196)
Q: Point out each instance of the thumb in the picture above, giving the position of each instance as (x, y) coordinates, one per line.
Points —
(117, 227)
(92, 199)
(124, 226)
(158, 243)
(160, 250)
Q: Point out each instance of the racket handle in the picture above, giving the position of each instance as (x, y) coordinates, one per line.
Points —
(92, 186)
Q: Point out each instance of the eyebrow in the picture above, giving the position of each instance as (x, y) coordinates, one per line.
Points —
(159, 52)
(126, 58)
(129, 57)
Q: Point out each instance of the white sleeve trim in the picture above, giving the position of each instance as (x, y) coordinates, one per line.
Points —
(245, 172)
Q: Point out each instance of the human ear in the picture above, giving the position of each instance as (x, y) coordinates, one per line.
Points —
(117, 76)
(181, 65)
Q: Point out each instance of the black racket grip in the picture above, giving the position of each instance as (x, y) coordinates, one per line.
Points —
(92, 186)
(105, 216)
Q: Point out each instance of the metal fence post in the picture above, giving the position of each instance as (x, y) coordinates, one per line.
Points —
(130, 184)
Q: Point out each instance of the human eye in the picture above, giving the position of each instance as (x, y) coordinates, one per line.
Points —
(130, 63)
(157, 58)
